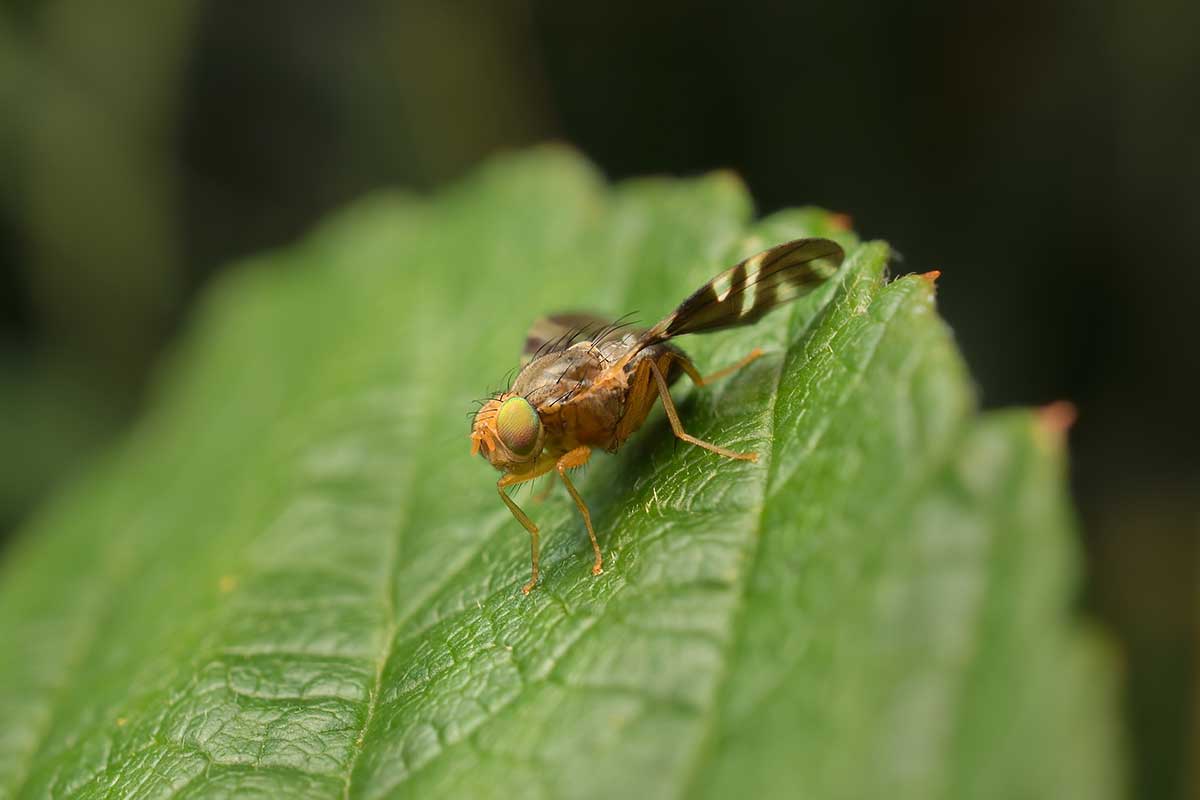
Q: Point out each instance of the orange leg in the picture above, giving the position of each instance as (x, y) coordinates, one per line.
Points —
(673, 416)
(704, 380)
(577, 458)
(540, 469)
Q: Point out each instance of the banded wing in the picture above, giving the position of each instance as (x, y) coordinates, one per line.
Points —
(743, 294)
(557, 332)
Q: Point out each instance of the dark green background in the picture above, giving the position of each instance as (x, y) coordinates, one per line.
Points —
(1043, 155)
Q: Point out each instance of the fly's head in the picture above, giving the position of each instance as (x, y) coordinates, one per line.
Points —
(508, 432)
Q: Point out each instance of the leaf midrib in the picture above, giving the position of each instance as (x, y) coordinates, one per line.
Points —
(706, 743)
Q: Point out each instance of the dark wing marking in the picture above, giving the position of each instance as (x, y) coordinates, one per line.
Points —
(743, 294)
(557, 332)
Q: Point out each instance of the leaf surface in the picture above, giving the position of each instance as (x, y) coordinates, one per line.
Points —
(292, 580)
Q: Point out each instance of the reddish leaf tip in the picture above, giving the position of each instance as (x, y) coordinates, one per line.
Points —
(1055, 419)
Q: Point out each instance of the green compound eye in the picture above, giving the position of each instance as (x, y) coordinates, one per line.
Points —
(518, 425)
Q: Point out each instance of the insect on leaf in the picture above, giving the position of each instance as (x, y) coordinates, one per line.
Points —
(291, 580)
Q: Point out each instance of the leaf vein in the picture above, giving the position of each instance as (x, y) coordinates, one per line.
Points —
(706, 743)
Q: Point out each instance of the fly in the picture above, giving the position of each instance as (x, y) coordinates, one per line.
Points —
(587, 383)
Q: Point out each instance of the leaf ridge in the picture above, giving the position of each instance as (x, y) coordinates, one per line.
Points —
(384, 655)
(706, 740)
(909, 490)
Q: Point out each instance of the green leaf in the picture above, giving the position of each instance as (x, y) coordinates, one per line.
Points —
(291, 580)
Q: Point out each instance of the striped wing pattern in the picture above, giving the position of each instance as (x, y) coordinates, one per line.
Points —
(744, 293)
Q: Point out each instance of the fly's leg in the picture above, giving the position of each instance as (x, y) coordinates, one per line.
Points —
(512, 480)
(577, 458)
(677, 426)
(704, 380)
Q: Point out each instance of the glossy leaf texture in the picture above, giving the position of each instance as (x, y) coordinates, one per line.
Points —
(291, 579)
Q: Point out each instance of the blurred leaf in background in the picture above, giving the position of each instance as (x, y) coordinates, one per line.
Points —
(94, 269)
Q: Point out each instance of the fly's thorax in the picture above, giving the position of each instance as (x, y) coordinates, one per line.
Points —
(508, 432)
(556, 377)
(579, 395)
